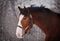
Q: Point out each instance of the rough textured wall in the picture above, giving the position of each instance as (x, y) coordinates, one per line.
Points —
(8, 20)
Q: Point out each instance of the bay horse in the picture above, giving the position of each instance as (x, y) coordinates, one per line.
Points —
(46, 19)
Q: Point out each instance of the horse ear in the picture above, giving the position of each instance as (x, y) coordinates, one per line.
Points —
(20, 8)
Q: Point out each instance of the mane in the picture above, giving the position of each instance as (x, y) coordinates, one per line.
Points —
(37, 9)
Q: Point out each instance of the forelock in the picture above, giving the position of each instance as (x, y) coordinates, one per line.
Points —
(24, 12)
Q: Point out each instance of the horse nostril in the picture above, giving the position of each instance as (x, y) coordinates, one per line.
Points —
(19, 26)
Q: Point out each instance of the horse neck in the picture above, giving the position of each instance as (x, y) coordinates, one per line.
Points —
(45, 21)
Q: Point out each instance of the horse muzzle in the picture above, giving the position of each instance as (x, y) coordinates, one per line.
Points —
(19, 32)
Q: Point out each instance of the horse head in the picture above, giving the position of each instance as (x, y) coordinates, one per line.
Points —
(24, 23)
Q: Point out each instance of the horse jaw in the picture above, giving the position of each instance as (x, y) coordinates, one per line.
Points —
(19, 30)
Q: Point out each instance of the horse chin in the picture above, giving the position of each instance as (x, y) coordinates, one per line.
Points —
(19, 33)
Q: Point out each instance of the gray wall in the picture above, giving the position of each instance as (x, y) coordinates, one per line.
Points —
(8, 20)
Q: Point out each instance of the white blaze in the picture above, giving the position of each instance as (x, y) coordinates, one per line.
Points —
(19, 30)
